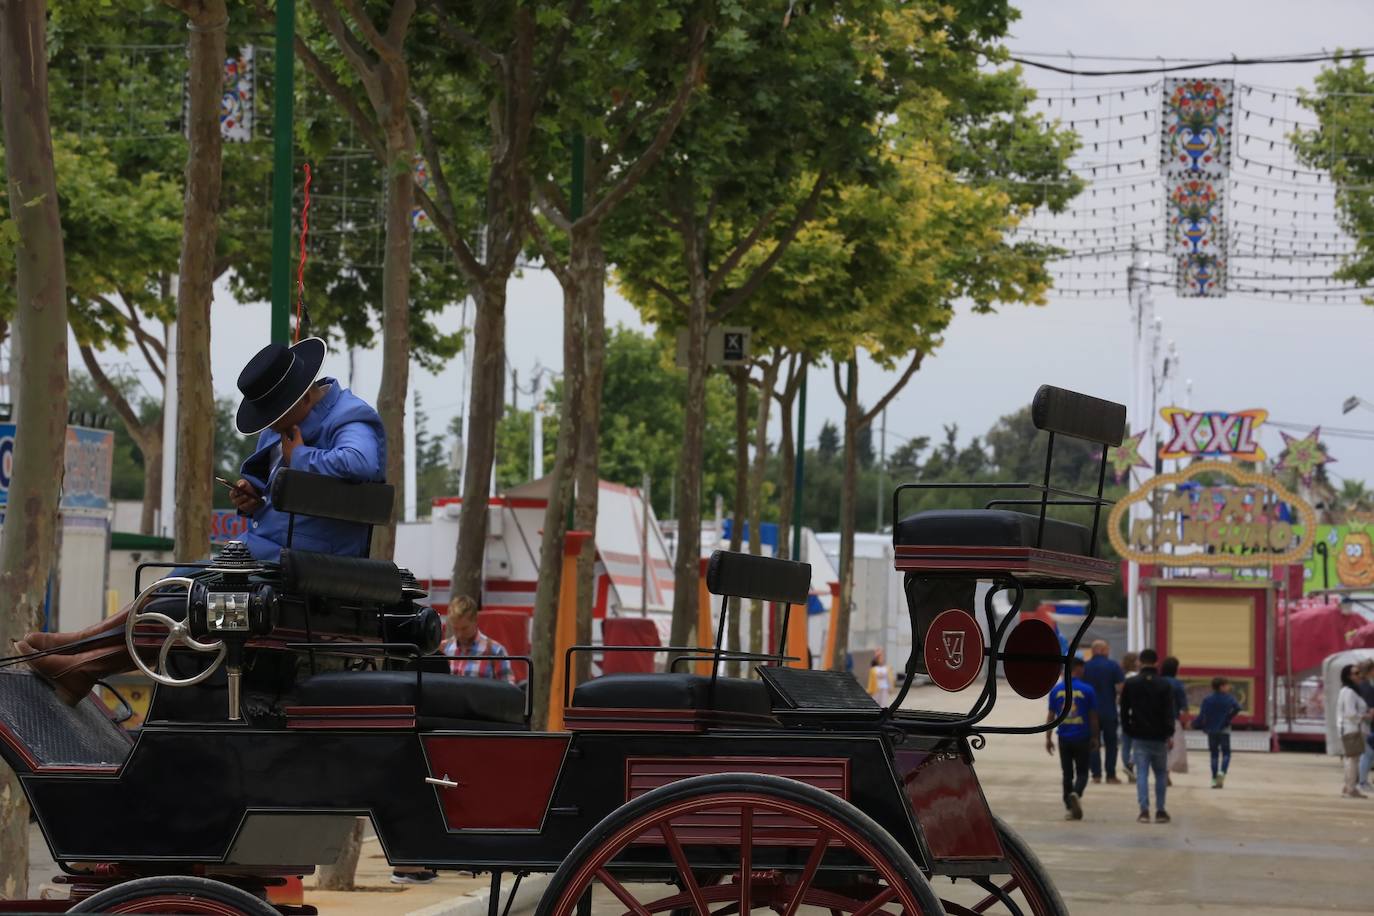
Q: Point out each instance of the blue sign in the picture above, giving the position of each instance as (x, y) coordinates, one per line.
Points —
(88, 465)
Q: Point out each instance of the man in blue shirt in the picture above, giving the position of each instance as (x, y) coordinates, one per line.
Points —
(1078, 737)
(1106, 678)
(307, 423)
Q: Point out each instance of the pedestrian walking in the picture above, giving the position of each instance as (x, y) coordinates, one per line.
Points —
(1364, 683)
(1352, 714)
(1148, 716)
(1178, 754)
(1078, 737)
(1130, 664)
(1106, 678)
(1214, 717)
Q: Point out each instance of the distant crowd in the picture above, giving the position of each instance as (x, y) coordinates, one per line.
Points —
(1139, 705)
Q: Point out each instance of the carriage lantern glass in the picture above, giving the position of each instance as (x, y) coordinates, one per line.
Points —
(227, 612)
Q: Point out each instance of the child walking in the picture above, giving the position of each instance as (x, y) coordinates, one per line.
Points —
(1214, 717)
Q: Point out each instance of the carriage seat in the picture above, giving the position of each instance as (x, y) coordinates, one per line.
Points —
(677, 690)
(446, 700)
(990, 528)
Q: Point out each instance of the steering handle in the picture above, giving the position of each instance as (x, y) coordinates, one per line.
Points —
(178, 633)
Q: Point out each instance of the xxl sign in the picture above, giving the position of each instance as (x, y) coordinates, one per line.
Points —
(1253, 521)
(1212, 434)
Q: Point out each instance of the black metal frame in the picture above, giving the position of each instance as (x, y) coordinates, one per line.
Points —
(1005, 581)
(687, 653)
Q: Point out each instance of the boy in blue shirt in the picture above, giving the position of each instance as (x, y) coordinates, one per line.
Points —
(1214, 717)
(1078, 737)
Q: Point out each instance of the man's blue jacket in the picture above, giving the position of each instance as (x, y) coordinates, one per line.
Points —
(344, 438)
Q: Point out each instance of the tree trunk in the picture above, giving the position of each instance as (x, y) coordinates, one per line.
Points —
(770, 377)
(38, 371)
(740, 509)
(340, 875)
(485, 405)
(550, 581)
(587, 268)
(848, 498)
(152, 480)
(195, 392)
(391, 396)
(687, 562)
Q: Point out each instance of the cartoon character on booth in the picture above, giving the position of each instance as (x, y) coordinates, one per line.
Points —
(1355, 560)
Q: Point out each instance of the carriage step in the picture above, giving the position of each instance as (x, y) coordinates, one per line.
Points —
(800, 688)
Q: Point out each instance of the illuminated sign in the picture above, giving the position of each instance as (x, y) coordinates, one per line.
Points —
(1254, 521)
(1213, 434)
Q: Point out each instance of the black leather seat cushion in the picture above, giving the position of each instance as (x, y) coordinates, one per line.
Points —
(674, 691)
(325, 575)
(989, 528)
(444, 698)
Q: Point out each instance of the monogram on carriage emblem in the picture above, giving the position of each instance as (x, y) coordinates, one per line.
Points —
(954, 647)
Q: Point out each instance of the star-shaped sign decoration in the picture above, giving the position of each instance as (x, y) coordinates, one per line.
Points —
(1303, 455)
(1125, 456)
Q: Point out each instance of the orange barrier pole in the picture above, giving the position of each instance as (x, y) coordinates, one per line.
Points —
(828, 660)
(565, 626)
(706, 637)
(796, 645)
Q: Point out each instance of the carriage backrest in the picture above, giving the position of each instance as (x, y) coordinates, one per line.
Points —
(319, 495)
(742, 575)
(1080, 416)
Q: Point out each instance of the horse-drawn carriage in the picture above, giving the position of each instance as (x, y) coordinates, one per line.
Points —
(293, 698)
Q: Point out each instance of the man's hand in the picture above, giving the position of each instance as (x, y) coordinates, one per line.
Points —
(1093, 745)
(1049, 745)
(245, 497)
(1169, 745)
(289, 443)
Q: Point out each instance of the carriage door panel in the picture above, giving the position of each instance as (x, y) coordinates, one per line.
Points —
(499, 782)
(949, 806)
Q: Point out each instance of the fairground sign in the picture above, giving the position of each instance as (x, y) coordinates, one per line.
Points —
(1252, 520)
(1212, 434)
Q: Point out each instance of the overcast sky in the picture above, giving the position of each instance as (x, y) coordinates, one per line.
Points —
(1299, 361)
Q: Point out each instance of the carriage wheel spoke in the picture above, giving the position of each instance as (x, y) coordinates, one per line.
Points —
(746, 858)
(813, 862)
(877, 903)
(615, 887)
(684, 868)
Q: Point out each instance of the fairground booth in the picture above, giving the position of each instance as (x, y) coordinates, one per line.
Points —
(1227, 564)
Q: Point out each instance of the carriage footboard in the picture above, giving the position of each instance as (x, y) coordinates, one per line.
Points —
(38, 732)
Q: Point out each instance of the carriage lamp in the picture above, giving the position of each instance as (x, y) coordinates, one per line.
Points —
(233, 610)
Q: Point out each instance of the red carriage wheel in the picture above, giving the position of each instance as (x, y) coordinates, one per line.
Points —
(1027, 891)
(732, 843)
(176, 894)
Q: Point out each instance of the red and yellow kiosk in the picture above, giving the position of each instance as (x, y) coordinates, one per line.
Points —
(1219, 547)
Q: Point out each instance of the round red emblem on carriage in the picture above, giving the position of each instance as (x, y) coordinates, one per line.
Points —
(953, 649)
(1033, 662)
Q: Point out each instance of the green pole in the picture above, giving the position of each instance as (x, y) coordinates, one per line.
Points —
(282, 116)
(800, 475)
(579, 168)
(579, 151)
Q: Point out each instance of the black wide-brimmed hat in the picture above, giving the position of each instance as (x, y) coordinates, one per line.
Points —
(274, 380)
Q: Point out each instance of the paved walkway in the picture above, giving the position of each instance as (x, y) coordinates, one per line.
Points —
(1279, 839)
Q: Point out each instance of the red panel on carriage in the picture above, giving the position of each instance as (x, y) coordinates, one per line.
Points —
(723, 825)
(484, 766)
(949, 806)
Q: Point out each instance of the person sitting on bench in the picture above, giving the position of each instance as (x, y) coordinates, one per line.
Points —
(305, 422)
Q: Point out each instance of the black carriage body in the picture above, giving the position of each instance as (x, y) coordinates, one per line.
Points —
(234, 796)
